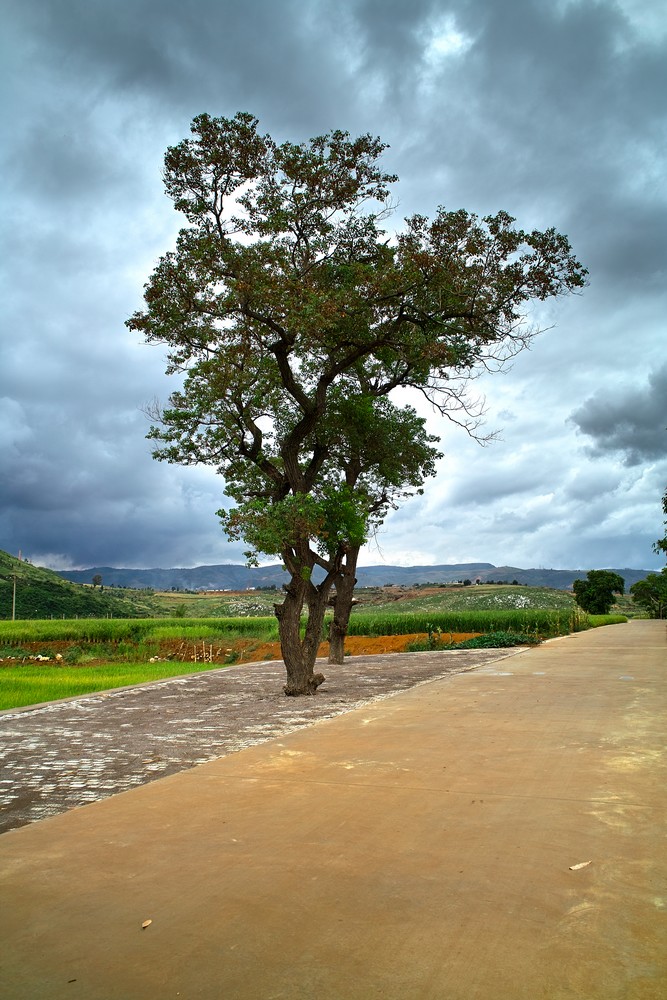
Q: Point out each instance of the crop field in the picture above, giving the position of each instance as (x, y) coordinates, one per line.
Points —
(475, 598)
(247, 604)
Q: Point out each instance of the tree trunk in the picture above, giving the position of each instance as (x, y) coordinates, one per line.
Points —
(299, 654)
(345, 583)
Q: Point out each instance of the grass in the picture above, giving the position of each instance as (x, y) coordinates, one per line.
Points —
(30, 684)
(128, 643)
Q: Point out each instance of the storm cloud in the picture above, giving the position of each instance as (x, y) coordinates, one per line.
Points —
(628, 419)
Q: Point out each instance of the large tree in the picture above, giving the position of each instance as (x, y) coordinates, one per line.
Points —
(294, 316)
(595, 594)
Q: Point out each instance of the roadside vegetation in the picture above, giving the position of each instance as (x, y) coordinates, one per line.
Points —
(56, 658)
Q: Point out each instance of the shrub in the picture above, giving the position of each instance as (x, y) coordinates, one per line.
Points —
(73, 654)
(490, 640)
(14, 653)
(497, 640)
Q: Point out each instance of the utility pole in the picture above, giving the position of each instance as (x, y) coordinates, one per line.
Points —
(14, 592)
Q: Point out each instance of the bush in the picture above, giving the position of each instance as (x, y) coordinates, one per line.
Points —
(497, 640)
(73, 654)
(490, 640)
(14, 653)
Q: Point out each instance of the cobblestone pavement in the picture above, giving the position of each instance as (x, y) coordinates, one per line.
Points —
(64, 754)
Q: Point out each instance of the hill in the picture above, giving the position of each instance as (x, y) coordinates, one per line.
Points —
(35, 592)
(237, 577)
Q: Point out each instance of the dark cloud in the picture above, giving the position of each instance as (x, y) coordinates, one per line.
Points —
(180, 59)
(628, 419)
(554, 111)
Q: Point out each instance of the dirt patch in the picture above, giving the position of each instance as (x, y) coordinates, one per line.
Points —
(355, 645)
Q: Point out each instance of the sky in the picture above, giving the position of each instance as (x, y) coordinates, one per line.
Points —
(553, 111)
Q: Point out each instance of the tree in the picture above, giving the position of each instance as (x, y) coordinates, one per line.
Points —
(661, 544)
(651, 594)
(293, 317)
(97, 581)
(595, 594)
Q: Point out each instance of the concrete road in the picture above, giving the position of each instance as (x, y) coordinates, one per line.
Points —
(495, 834)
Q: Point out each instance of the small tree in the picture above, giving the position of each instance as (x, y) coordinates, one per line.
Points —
(97, 581)
(288, 307)
(595, 594)
(651, 594)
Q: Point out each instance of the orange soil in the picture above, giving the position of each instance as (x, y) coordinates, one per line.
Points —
(355, 645)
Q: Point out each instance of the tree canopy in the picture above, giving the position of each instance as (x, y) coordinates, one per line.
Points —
(595, 594)
(651, 594)
(294, 316)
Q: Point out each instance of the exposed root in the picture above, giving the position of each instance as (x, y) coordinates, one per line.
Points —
(296, 691)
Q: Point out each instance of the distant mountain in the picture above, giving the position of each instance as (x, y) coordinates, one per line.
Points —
(237, 577)
(226, 577)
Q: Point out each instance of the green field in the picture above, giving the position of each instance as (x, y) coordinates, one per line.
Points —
(30, 684)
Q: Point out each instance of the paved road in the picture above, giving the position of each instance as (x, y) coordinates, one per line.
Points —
(498, 834)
